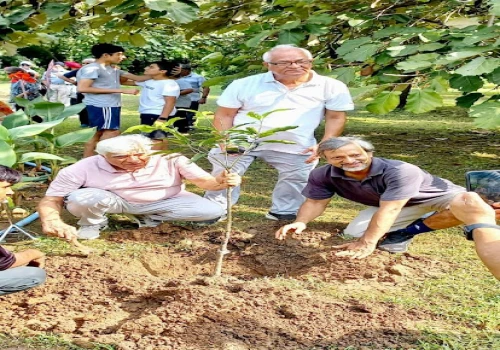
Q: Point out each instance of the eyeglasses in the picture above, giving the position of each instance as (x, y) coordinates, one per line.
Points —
(123, 157)
(302, 63)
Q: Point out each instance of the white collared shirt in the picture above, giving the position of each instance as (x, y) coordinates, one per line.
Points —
(305, 106)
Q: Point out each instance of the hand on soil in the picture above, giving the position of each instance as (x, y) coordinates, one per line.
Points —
(57, 228)
(81, 248)
(296, 227)
(355, 250)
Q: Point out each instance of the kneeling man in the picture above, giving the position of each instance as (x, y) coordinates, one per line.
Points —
(403, 200)
(126, 178)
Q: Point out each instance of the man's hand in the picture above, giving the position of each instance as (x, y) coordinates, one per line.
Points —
(296, 227)
(40, 262)
(29, 257)
(314, 154)
(58, 228)
(228, 179)
(359, 249)
(202, 101)
(131, 92)
(469, 208)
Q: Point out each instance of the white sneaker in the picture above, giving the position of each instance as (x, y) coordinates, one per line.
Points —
(144, 220)
(90, 231)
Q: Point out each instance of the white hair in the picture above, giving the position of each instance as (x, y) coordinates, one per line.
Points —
(266, 57)
(89, 60)
(124, 144)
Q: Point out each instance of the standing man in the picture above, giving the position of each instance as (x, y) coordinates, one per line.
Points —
(58, 89)
(199, 94)
(22, 270)
(403, 200)
(308, 97)
(100, 83)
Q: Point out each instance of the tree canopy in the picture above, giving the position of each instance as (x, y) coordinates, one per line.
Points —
(402, 53)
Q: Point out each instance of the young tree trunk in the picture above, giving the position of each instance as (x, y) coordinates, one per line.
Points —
(229, 226)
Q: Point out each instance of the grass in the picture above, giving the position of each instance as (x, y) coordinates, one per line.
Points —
(464, 304)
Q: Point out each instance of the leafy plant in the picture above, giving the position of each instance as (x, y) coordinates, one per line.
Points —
(234, 143)
(22, 141)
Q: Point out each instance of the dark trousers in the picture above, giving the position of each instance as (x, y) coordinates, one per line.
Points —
(20, 278)
(183, 124)
(191, 116)
(83, 114)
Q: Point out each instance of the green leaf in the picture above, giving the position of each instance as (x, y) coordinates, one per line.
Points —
(290, 25)
(19, 118)
(294, 36)
(384, 103)
(255, 41)
(411, 66)
(494, 7)
(478, 66)
(322, 18)
(486, 115)
(214, 57)
(430, 47)
(276, 130)
(362, 53)
(4, 22)
(493, 77)
(7, 154)
(402, 50)
(71, 138)
(30, 156)
(55, 10)
(387, 32)
(19, 14)
(198, 156)
(460, 55)
(468, 100)
(421, 101)
(4, 133)
(350, 45)
(49, 110)
(71, 110)
(344, 74)
(264, 115)
(466, 84)
(182, 13)
(32, 130)
(137, 40)
(440, 84)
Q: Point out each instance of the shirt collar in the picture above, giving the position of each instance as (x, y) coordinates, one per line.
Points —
(376, 168)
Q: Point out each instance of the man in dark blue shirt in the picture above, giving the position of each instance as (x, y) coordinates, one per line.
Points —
(402, 199)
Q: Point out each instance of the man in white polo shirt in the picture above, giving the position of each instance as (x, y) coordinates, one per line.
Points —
(125, 178)
(308, 97)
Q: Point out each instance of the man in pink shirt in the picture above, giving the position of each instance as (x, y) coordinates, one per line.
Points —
(125, 178)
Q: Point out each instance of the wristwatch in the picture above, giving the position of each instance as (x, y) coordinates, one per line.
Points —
(469, 228)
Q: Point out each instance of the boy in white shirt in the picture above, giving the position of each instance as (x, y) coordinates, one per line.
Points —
(159, 94)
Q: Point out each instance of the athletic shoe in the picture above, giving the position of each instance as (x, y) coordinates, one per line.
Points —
(281, 217)
(396, 242)
(90, 231)
(144, 220)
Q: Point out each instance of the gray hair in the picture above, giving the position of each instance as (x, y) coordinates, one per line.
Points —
(124, 145)
(335, 143)
(89, 60)
(267, 56)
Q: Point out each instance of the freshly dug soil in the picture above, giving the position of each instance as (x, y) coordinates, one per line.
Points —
(162, 297)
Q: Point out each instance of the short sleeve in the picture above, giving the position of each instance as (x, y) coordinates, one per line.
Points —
(171, 89)
(65, 182)
(188, 169)
(89, 72)
(338, 97)
(402, 182)
(230, 97)
(316, 187)
(139, 83)
(7, 259)
(70, 74)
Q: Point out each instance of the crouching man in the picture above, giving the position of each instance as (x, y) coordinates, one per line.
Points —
(22, 270)
(403, 200)
(126, 178)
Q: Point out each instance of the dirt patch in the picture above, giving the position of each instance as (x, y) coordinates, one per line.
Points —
(162, 298)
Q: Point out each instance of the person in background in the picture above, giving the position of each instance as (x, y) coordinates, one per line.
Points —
(22, 270)
(100, 82)
(58, 90)
(182, 104)
(77, 97)
(199, 94)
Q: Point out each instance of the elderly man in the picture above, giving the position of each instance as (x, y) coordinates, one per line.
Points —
(308, 98)
(22, 270)
(126, 178)
(401, 197)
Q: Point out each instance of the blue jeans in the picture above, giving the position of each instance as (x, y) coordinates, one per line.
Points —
(20, 278)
